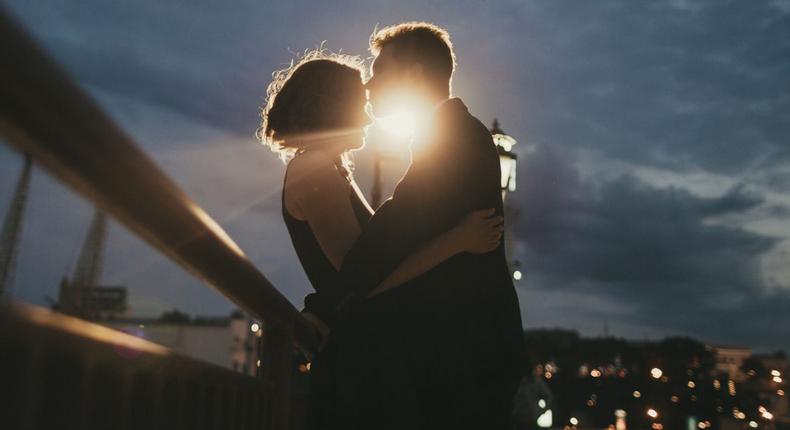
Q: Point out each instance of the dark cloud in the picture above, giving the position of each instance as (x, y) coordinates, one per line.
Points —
(654, 251)
(675, 84)
(681, 88)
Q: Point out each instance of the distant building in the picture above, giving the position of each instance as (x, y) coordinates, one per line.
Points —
(92, 302)
(729, 360)
(229, 341)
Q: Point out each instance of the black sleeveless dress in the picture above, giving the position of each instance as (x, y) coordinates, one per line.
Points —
(334, 382)
(322, 275)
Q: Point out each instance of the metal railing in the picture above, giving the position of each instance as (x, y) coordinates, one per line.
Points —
(45, 114)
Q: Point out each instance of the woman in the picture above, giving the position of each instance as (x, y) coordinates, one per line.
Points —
(314, 116)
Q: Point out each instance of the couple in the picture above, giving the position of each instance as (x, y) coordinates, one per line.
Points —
(414, 302)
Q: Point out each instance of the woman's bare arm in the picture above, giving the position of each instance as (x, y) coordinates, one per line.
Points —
(478, 233)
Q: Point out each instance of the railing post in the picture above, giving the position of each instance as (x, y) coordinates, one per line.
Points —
(276, 370)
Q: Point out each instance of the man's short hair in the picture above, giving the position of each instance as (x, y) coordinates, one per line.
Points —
(418, 42)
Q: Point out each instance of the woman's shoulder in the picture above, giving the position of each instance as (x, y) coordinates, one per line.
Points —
(312, 172)
(310, 167)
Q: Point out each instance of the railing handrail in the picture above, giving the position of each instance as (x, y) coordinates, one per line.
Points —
(45, 113)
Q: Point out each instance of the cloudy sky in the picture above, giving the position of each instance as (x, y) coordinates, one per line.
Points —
(654, 143)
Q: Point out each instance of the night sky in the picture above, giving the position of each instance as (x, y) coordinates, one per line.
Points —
(654, 145)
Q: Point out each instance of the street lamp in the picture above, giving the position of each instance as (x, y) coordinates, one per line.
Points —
(507, 158)
(507, 163)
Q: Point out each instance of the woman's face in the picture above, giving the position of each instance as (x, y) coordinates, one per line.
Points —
(361, 119)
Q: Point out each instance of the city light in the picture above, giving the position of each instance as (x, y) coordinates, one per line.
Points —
(542, 403)
(731, 386)
(546, 419)
(517, 275)
(674, 399)
(255, 327)
(716, 384)
(595, 373)
(637, 394)
(753, 424)
(656, 373)
(619, 423)
(691, 384)
(777, 379)
(775, 373)
(574, 421)
(767, 415)
(652, 413)
(780, 393)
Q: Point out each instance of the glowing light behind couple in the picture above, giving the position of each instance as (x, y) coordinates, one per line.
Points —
(401, 123)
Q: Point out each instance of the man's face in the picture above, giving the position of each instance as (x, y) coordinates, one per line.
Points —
(387, 83)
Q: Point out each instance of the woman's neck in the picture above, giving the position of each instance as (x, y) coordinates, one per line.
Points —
(335, 152)
(334, 145)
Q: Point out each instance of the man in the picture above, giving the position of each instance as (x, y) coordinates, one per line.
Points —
(457, 328)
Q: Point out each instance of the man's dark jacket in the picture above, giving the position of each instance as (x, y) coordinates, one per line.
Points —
(464, 337)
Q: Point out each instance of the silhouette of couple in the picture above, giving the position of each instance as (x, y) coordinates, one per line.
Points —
(414, 303)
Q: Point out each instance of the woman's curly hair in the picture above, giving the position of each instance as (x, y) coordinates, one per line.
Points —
(318, 93)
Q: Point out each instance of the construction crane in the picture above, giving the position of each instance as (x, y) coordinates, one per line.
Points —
(12, 227)
(74, 292)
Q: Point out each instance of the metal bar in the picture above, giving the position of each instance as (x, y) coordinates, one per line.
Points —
(83, 373)
(43, 112)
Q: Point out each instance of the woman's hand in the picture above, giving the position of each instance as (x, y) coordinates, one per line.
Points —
(321, 329)
(479, 232)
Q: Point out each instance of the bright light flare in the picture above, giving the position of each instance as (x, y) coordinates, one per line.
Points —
(400, 124)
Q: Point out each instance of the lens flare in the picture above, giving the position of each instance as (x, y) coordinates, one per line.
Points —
(400, 124)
